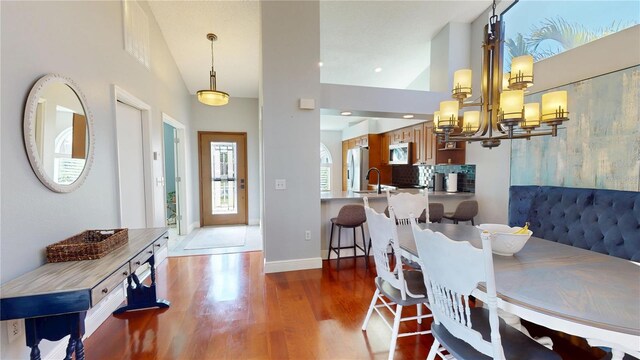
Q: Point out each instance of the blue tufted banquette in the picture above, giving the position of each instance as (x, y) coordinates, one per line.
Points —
(606, 221)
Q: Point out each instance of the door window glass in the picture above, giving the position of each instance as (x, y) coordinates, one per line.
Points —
(223, 178)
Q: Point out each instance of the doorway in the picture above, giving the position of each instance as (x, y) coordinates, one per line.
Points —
(223, 178)
(131, 165)
(175, 175)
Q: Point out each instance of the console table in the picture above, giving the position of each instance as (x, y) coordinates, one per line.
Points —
(54, 298)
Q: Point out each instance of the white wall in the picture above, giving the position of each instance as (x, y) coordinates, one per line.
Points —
(450, 51)
(290, 55)
(84, 41)
(240, 115)
(333, 141)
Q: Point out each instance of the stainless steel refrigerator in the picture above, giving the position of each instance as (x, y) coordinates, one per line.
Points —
(357, 166)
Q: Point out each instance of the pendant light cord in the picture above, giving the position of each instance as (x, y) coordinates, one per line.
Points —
(212, 82)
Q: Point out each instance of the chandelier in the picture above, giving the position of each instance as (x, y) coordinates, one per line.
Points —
(212, 96)
(503, 113)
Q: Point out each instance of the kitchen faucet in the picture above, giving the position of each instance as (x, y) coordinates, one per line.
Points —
(378, 171)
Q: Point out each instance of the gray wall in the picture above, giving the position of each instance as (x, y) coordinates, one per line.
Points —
(291, 137)
(240, 115)
(84, 41)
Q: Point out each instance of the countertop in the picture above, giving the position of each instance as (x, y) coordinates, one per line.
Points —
(336, 195)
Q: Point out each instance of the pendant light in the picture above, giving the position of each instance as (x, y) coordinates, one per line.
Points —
(212, 96)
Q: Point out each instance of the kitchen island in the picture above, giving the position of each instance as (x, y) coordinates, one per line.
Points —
(332, 201)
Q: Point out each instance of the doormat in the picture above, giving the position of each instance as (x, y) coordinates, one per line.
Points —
(218, 237)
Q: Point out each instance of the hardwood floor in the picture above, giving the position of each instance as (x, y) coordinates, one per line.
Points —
(224, 307)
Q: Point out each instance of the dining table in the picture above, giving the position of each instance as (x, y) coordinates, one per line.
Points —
(561, 287)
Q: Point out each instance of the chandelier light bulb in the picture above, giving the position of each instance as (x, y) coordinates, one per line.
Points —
(554, 106)
(449, 114)
(462, 84)
(470, 121)
(531, 116)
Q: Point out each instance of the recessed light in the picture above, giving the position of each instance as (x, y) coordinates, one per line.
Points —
(378, 69)
(408, 116)
(345, 113)
(320, 64)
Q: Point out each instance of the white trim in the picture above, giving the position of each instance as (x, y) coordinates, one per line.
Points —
(194, 225)
(292, 265)
(183, 200)
(127, 98)
(253, 222)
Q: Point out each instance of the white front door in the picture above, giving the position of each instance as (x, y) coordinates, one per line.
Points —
(131, 166)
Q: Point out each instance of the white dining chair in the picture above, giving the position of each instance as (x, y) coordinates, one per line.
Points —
(395, 286)
(453, 270)
(407, 205)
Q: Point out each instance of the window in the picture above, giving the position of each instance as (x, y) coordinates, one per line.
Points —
(325, 168)
(544, 29)
(66, 169)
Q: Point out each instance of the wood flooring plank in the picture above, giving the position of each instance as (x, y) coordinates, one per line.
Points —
(225, 307)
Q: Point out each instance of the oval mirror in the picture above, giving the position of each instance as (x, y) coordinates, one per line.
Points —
(58, 133)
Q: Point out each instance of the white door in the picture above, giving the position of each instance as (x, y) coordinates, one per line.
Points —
(131, 166)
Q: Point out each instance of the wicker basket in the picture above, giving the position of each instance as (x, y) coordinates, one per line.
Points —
(88, 245)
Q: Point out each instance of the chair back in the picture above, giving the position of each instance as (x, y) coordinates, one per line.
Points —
(351, 215)
(466, 210)
(383, 233)
(407, 206)
(452, 270)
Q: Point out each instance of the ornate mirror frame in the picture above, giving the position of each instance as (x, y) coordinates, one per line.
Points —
(30, 137)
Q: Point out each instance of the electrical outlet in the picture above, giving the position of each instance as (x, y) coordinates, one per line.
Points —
(281, 184)
(15, 329)
(307, 235)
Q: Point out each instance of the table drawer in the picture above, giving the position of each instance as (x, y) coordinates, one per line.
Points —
(160, 243)
(141, 258)
(101, 290)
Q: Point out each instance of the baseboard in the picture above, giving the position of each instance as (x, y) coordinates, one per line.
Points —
(194, 225)
(292, 265)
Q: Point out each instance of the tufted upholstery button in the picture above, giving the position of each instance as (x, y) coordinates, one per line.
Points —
(606, 221)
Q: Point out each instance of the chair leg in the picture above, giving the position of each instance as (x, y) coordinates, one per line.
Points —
(373, 304)
(330, 242)
(434, 350)
(355, 253)
(394, 332)
(419, 313)
(364, 246)
(339, 246)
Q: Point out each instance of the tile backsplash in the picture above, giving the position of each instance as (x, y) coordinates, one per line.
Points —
(422, 175)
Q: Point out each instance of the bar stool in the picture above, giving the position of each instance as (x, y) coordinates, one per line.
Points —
(436, 212)
(465, 211)
(349, 217)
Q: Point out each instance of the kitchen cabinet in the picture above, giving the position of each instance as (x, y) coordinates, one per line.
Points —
(417, 155)
(407, 135)
(385, 141)
(429, 144)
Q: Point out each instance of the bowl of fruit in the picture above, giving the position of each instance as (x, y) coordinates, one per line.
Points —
(506, 240)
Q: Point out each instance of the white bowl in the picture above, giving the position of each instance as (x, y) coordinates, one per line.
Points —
(503, 240)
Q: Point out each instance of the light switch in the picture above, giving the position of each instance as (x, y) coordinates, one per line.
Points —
(307, 104)
(281, 184)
